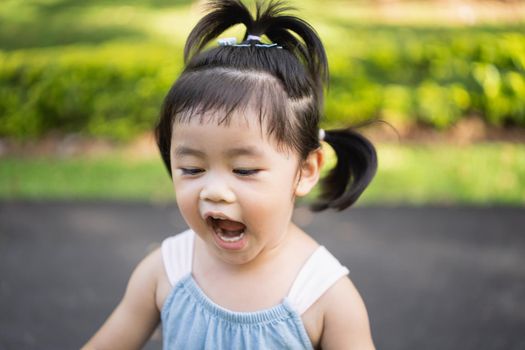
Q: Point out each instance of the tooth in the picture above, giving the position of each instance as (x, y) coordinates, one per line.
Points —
(230, 239)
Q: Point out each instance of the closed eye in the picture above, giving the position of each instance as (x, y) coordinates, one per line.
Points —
(191, 171)
(246, 172)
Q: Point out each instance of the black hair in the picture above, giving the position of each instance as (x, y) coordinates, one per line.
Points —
(283, 84)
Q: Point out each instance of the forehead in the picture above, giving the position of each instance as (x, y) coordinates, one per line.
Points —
(238, 125)
(242, 128)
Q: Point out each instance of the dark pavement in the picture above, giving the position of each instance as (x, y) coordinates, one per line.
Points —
(432, 277)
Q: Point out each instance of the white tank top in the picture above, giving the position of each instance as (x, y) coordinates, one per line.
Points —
(317, 275)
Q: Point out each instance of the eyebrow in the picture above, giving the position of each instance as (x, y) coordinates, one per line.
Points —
(243, 151)
(181, 151)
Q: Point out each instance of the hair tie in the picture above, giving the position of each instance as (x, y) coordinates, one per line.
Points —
(227, 41)
(322, 134)
(233, 42)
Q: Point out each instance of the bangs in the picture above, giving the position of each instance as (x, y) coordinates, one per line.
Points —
(268, 86)
(217, 95)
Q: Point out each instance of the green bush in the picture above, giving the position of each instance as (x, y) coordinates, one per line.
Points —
(434, 76)
(403, 75)
(114, 91)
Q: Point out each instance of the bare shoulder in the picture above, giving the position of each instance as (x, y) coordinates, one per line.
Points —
(134, 319)
(146, 275)
(151, 265)
(147, 279)
(346, 323)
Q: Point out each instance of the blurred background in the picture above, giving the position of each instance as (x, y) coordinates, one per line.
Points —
(81, 83)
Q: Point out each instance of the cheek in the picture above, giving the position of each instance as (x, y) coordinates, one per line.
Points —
(186, 196)
(189, 210)
(271, 201)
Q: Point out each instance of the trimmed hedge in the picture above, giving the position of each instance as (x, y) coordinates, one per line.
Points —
(112, 91)
(398, 74)
(434, 76)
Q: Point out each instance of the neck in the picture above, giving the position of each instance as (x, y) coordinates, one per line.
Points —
(212, 262)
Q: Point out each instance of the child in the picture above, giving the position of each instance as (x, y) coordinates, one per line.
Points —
(239, 135)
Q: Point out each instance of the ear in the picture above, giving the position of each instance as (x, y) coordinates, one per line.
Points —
(309, 172)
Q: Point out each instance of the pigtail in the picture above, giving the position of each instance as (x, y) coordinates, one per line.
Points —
(279, 29)
(355, 168)
(269, 20)
(223, 15)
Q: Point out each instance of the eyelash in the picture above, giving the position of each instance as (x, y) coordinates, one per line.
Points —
(240, 172)
(246, 172)
(191, 171)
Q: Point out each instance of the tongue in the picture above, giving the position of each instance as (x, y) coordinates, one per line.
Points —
(229, 225)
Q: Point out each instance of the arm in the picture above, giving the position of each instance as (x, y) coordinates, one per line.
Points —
(135, 318)
(346, 324)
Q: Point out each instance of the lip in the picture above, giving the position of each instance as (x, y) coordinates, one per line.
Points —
(217, 215)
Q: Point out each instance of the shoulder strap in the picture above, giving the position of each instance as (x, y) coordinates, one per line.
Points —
(317, 275)
(177, 254)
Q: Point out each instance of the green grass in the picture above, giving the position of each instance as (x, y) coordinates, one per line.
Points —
(448, 174)
(480, 174)
(108, 177)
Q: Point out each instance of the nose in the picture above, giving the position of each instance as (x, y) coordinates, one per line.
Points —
(217, 190)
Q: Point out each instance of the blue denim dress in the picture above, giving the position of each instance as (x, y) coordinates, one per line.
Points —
(190, 320)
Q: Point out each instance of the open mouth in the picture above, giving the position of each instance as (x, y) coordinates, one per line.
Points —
(228, 231)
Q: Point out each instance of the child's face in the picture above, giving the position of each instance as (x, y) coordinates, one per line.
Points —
(234, 172)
